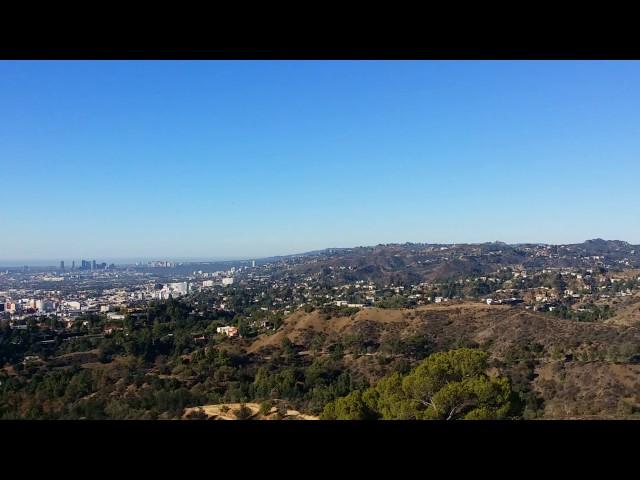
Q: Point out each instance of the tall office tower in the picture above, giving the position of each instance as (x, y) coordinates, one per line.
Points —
(93, 265)
(253, 263)
(73, 264)
(62, 265)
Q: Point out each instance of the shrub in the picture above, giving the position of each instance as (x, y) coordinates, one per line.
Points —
(243, 413)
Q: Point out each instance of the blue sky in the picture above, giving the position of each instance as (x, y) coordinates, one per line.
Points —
(240, 159)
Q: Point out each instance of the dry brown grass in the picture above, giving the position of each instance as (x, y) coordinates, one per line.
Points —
(226, 411)
(587, 389)
(297, 325)
(628, 313)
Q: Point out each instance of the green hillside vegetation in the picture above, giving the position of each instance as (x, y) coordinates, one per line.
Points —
(464, 360)
(446, 386)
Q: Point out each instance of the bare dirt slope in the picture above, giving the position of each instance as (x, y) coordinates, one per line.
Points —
(227, 411)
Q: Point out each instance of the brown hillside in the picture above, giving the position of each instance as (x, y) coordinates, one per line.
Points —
(588, 389)
(628, 313)
(580, 369)
(299, 324)
(496, 328)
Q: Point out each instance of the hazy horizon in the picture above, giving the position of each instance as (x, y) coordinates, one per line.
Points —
(252, 159)
(50, 262)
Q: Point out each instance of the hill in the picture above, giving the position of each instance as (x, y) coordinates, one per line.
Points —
(411, 263)
(568, 369)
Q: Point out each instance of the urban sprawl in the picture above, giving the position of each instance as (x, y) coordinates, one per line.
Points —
(95, 299)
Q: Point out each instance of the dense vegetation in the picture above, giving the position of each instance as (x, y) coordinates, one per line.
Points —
(428, 364)
(162, 361)
(446, 386)
(168, 357)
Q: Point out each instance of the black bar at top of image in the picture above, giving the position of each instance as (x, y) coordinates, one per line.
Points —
(444, 52)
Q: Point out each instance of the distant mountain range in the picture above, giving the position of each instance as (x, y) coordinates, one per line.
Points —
(598, 244)
(418, 262)
(613, 250)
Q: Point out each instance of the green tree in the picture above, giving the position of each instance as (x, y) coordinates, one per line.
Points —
(243, 328)
(453, 384)
(559, 284)
(288, 348)
(445, 386)
(243, 413)
(265, 407)
(351, 407)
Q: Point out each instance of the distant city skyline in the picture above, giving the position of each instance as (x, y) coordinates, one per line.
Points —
(40, 262)
(237, 160)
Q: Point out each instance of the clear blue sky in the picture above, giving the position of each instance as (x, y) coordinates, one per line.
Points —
(247, 159)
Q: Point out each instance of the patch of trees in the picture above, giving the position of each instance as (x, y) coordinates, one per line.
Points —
(396, 301)
(307, 387)
(445, 386)
(331, 311)
(519, 364)
(592, 313)
(415, 346)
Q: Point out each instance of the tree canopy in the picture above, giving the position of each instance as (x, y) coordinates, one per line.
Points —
(445, 386)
